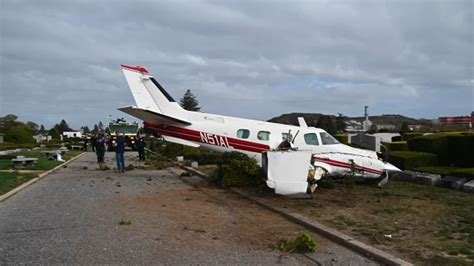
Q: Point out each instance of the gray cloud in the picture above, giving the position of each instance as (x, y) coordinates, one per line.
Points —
(256, 59)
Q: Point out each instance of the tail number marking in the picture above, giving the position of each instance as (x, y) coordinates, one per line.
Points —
(214, 140)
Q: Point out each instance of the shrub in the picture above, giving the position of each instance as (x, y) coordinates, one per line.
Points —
(237, 170)
(19, 134)
(396, 146)
(466, 172)
(11, 146)
(407, 136)
(396, 138)
(302, 244)
(204, 158)
(411, 160)
(451, 148)
(342, 138)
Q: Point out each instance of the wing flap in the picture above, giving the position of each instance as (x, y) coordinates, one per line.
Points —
(153, 117)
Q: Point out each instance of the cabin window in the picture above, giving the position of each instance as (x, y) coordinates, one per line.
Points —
(263, 135)
(285, 137)
(327, 139)
(311, 139)
(243, 133)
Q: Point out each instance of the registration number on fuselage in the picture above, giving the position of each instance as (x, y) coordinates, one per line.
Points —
(214, 140)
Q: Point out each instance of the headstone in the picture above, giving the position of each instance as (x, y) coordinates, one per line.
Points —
(179, 158)
(195, 165)
(453, 182)
(427, 179)
(468, 187)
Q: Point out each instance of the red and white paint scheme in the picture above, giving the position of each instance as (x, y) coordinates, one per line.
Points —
(220, 133)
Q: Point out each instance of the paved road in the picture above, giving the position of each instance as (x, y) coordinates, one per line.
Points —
(72, 216)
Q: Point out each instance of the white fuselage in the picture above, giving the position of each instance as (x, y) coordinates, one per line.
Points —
(224, 134)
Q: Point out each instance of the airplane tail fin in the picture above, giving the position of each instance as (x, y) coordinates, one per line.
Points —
(149, 95)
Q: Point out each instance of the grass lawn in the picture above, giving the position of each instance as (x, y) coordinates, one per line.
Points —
(42, 164)
(9, 181)
(424, 225)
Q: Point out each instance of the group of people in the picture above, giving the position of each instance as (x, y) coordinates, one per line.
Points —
(99, 145)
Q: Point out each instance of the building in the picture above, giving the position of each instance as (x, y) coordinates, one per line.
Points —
(72, 134)
(41, 138)
(367, 124)
(458, 121)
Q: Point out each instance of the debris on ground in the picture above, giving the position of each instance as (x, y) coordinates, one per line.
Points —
(303, 243)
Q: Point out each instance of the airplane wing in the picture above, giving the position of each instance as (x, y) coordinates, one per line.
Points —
(152, 117)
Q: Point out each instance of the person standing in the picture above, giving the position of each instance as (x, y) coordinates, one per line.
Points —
(100, 149)
(93, 140)
(119, 152)
(141, 148)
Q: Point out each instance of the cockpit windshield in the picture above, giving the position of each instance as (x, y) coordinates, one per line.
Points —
(327, 139)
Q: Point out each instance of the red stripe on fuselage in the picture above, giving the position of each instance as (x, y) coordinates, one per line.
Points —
(347, 165)
(195, 136)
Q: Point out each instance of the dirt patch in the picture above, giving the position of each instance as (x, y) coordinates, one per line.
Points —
(417, 223)
(215, 215)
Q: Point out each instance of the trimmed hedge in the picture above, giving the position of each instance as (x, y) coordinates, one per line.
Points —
(410, 160)
(11, 146)
(407, 136)
(396, 146)
(466, 172)
(451, 148)
(448, 171)
(396, 138)
(342, 138)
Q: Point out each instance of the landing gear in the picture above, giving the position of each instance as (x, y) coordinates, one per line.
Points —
(314, 175)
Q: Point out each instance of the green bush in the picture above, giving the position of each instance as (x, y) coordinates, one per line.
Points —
(396, 138)
(411, 160)
(11, 146)
(466, 172)
(396, 146)
(19, 134)
(342, 138)
(451, 148)
(407, 136)
(238, 170)
(204, 157)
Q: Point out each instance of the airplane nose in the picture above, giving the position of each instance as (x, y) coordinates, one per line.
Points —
(390, 167)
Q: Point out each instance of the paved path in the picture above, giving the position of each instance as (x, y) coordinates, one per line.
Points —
(72, 217)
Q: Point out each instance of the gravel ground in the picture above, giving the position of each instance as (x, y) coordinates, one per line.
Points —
(73, 215)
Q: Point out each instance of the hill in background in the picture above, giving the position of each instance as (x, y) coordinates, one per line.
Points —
(387, 119)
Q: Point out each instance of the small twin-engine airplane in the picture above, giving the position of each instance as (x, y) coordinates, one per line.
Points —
(160, 112)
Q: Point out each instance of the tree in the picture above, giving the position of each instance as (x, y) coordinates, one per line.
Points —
(8, 122)
(42, 130)
(86, 130)
(54, 133)
(189, 102)
(62, 126)
(340, 124)
(327, 123)
(405, 127)
(96, 129)
(32, 127)
(101, 127)
(19, 134)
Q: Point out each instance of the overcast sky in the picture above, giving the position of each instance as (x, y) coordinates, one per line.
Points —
(253, 59)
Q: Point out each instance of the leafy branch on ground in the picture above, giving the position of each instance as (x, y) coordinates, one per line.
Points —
(303, 243)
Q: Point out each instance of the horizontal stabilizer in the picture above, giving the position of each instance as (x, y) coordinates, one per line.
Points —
(152, 117)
